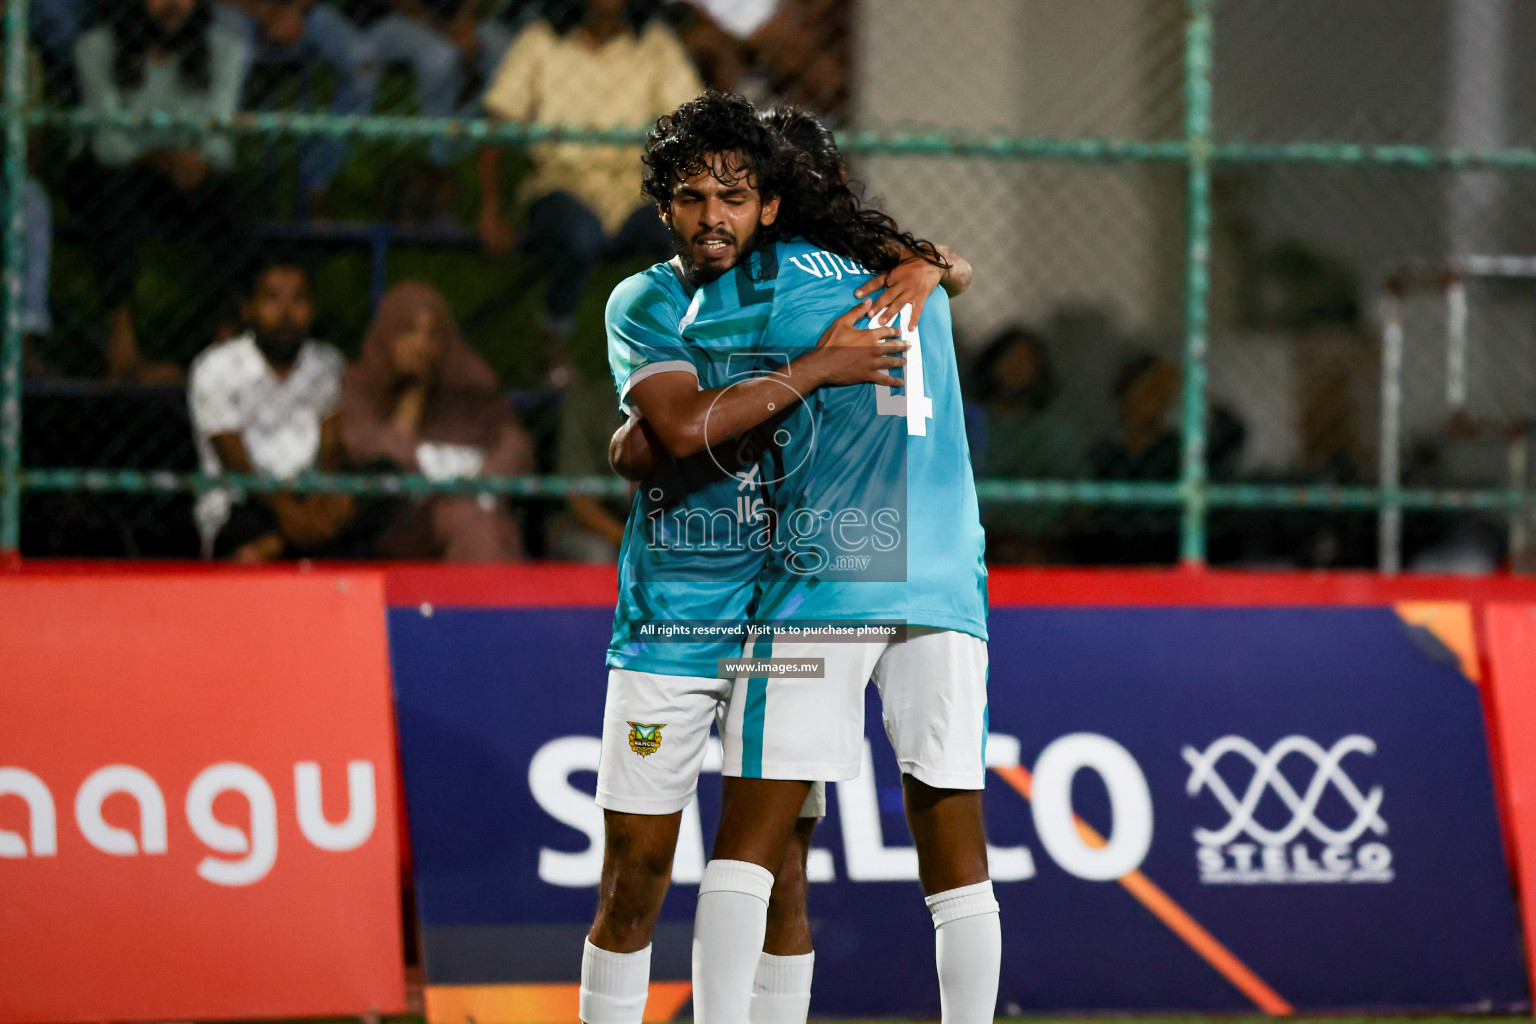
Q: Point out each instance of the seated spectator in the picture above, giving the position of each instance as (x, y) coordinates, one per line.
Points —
(420, 400)
(168, 57)
(795, 51)
(1023, 438)
(266, 402)
(480, 31)
(445, 43)
(584, 207)
(311, 33)
(1149, 447)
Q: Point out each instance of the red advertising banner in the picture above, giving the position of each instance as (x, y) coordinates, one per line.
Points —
(197, 798)
(1512, 663)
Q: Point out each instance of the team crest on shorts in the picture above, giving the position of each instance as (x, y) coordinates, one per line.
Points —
(644, 739)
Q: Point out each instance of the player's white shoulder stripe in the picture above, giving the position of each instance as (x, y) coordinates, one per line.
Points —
(651, 370)
(693, 310)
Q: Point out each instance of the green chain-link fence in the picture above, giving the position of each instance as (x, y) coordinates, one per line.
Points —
(1273, 222)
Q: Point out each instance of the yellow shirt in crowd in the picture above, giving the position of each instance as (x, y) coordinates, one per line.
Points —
(626, 83)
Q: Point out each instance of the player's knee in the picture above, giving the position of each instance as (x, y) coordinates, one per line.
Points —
(790, 885)
(789, 891)
(638, 858)
(635, 884)
(791, 874)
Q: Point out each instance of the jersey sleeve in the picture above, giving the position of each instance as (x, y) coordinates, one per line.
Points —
(645, 336)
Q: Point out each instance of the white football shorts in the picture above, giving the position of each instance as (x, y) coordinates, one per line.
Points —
(933, 695)
(655, 737)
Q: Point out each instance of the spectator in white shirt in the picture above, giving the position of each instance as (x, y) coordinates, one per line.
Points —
(267, 402)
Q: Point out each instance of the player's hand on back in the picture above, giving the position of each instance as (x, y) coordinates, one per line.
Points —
(910, 282)
(849, 354)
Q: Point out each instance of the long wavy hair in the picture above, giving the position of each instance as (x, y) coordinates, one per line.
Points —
(818, 202)
(137, 34)
(680, 144)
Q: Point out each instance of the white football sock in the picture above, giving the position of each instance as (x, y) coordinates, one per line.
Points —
(613, 985)
(781, 992)
(968, 940)
(728, 930)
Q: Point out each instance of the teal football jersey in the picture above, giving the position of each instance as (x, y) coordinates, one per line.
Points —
(695, 543)
(870, 488)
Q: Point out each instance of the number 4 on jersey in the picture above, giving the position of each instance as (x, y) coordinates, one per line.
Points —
(912, 403)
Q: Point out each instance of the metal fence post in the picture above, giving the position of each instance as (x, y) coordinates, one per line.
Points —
(10, 348)
(1389, 521)
(1198, 41)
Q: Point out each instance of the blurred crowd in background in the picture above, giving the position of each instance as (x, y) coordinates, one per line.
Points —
(196, 300)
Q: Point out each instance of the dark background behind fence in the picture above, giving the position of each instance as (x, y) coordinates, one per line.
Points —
(1185, 218)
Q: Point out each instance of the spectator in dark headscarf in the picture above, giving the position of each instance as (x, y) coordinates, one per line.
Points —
(420, 400)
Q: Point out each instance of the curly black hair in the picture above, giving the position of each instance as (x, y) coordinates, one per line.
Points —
(680, 143)
(136, 33)
(819, 204)
(794, 158)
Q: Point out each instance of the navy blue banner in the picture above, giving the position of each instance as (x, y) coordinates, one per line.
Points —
(1294, 810)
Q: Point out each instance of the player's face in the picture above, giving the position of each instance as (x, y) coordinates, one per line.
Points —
(715, 216)
(280, 313)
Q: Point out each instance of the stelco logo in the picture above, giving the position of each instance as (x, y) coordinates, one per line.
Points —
(1306, 848)
(249, 856)
(867, 857)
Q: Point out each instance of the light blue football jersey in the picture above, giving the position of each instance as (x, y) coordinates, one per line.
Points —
(870, 488)
(695, 543)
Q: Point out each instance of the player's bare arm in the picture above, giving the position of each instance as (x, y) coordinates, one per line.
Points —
(687, 420)
(957, 276)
